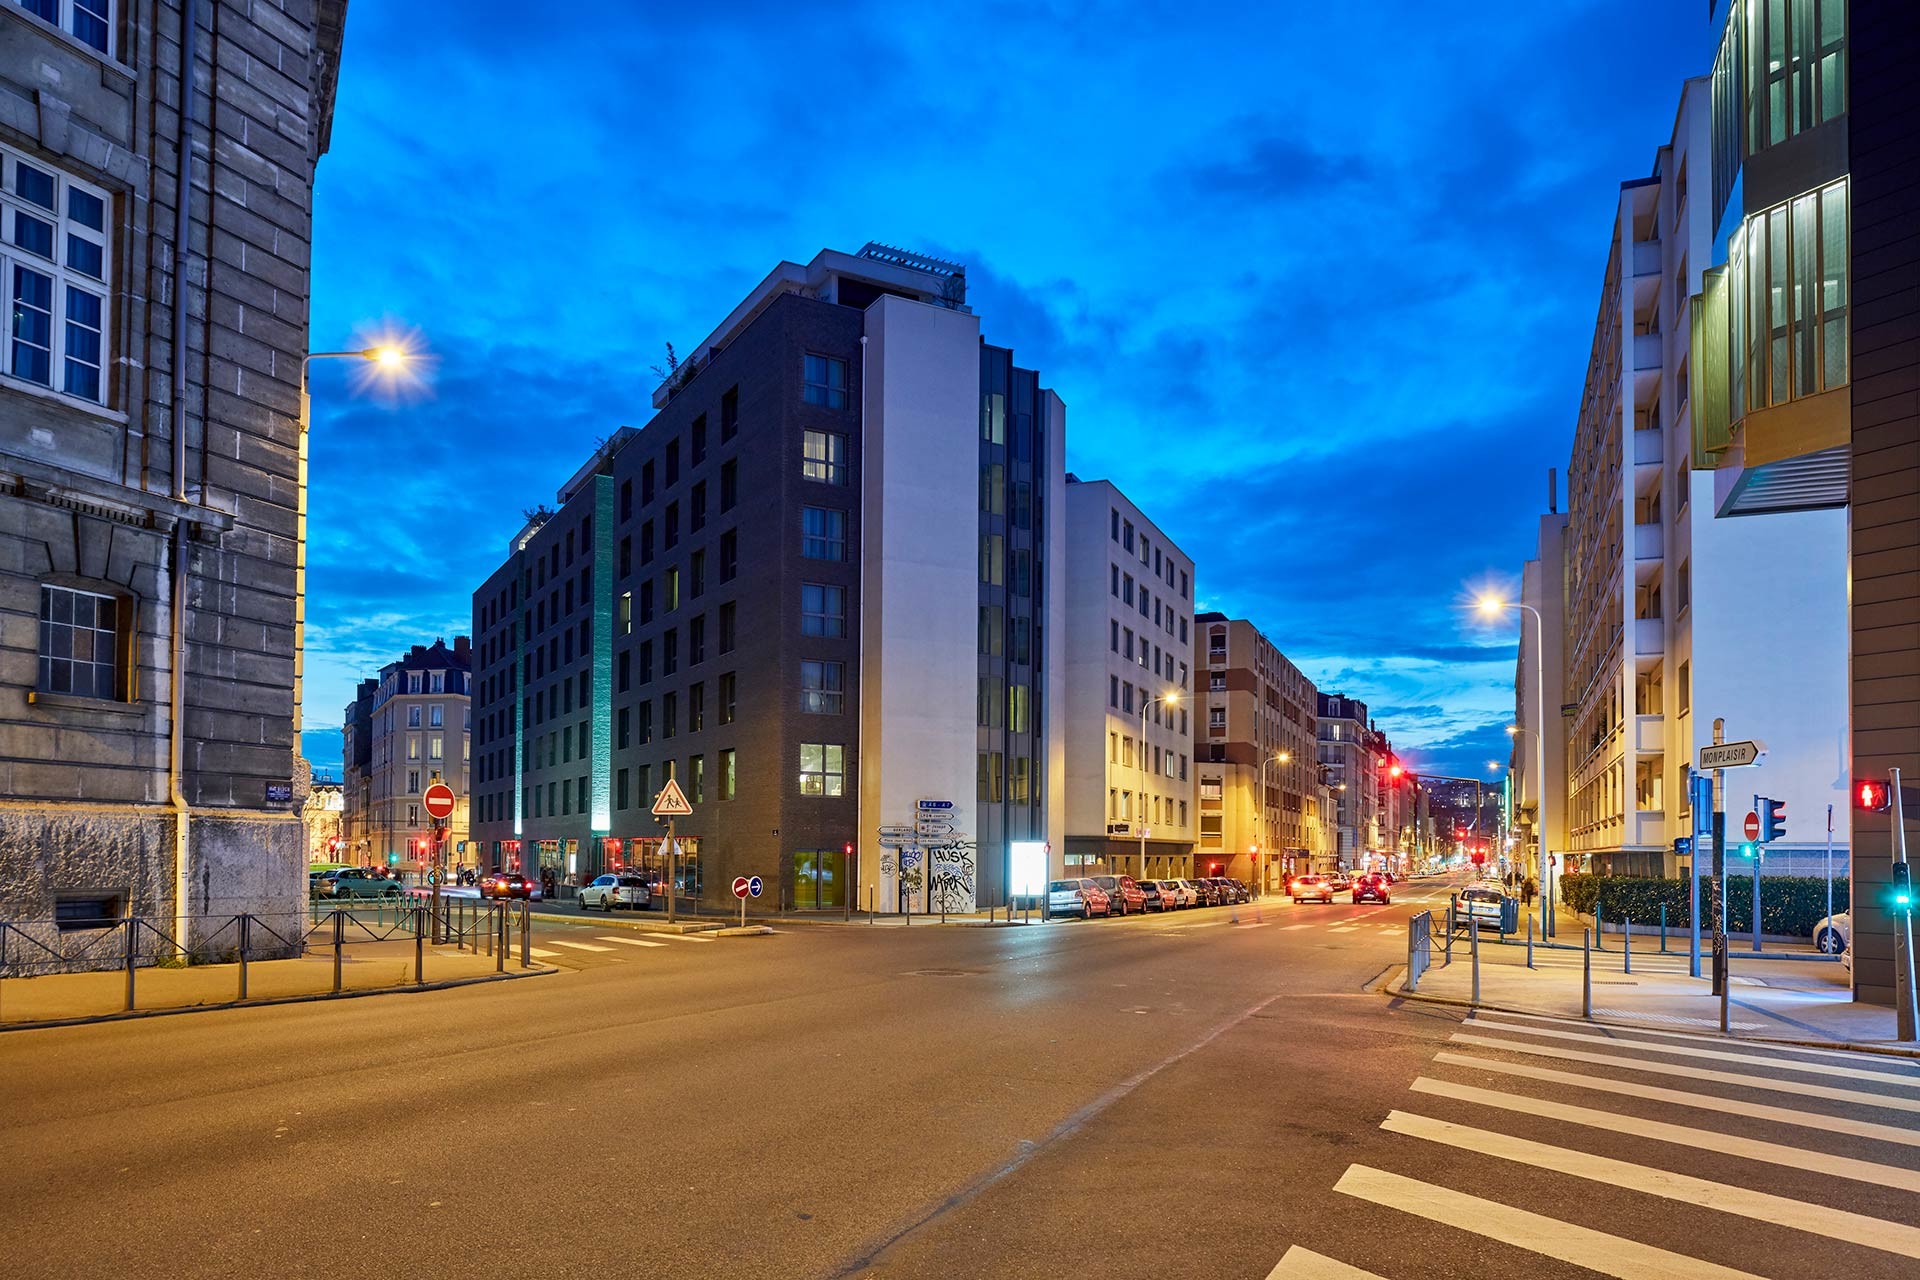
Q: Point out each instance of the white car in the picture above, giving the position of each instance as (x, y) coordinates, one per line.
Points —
(1184, 894)
(1831, 935)
(616, 890)
(1479, 903)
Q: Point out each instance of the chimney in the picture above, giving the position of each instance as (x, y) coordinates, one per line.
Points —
(462, 645)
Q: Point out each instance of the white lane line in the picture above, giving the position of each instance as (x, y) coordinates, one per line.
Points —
(578, 946)
(680, 937)
(1581, 1246)
(1253, 924)
(627, 942)
(1344, 928)
(1296, 926)
(1802, 1088)
(1699, 1101)
(1305, 1264)
(1835, 1224)
(1679, 1134)
(542, 952)
(1719, 1055)
(1845, 1055)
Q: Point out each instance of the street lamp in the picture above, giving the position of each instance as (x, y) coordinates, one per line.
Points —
(1491, 606)
(1172, 699)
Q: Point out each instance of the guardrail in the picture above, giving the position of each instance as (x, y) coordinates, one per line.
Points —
(1419, 948)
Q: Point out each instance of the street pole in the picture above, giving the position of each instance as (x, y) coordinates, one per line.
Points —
(673, 854)
(1716, 888)
(1759, 852)
(1906, 1013)
(1829, 866)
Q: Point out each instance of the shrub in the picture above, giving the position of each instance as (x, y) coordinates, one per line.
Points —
(1789, 905)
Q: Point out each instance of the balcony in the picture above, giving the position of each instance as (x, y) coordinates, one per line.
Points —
(1649, 735)
(1649, 637)
(1649, 541)
(1649, 351)
(1646, 257)
(1648, 448)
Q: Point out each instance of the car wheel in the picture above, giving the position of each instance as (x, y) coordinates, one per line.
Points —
(1829, 942)
(606, 905)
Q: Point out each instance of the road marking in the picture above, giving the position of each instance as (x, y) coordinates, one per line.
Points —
(542, 952)
(1674, 1020)
(1253, 924)
(1296, 926)
(1835, 1224)
(679, 937)
(1305, 1264)
(1845, 1055)
(1581, 1246)
(1344, 928)
(1720, 1055)
(1801, 1087)
(578, 946)
(628, 942)
(1678, 1134)
(1684, 1098)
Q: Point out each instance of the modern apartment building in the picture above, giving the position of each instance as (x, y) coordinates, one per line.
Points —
(1810, 403)
(1353, 753)
(1262, 800)
(1129, 719)
(1673, 617)
(152, 472)
(1538, 762)
(416, 719)
(822, 590)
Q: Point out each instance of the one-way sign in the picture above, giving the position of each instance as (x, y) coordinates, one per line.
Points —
(1732, 755)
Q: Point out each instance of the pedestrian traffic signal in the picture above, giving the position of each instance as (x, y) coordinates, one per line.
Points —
(1902, 894)
(1873, 795)
(1773, 819)
(1748, 849)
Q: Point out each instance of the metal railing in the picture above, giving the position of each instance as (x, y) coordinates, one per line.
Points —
(1419, 948)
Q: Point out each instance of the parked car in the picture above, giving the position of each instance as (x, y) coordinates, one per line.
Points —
(1162, 895)
(1081, 898)
(1479, 903)
(1372, 888)
(506, 884)
(1124, 892)
(360, 882)
(1833, 934)
(616, 890)
(1237, 890)
(1312, 885)
(1184, 894)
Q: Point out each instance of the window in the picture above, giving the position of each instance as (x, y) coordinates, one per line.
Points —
(826, 382)
(729, 555)
(437, 683)
(824, 456)
(1686, 686)
(53, 269)
(413, 717)
(728, 696)
(697, 640)
(822, 769)
(729, 414)
(413, 746)
(729, 485)
(669, 652)
(673, 463)
(669, 715)
(697, 441)
(823, 610)
(1216, 717)
(88, 21)
(670, 590)
(437, 715)
(622, 780)
(696, 779)
(993, 629)
(823, 533)
(413, 682)
(697, 507)
(728, 773)
(823, 687)
(697, 574)
(413, 782)
(696, 707)
(993, 559)
(727, 616)
(989, 779)
(80, 643)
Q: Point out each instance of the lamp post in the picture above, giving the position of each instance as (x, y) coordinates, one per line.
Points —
(1171, 698)
(1492, 605)
(1266, 836)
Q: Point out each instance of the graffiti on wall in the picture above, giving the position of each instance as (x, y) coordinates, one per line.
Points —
(953, 876)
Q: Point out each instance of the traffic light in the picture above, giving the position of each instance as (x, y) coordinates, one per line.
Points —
(1748, 849)
(393, 859)
(1773, 819)
(1901, 893)
(1873, 795)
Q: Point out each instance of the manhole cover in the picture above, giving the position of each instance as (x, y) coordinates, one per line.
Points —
(940, 973)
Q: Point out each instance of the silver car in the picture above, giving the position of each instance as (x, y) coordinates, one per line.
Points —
(616, 890)
(1479, 903)
(1081, 898)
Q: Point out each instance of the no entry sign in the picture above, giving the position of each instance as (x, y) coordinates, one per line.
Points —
(438, 800)
(740, 886)
(1753, 825)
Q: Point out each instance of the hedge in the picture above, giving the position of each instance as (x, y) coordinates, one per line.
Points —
(1789, 905)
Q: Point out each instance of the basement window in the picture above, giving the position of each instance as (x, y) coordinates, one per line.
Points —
(75, 911)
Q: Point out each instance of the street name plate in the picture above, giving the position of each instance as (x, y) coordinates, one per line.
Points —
(1732, 755)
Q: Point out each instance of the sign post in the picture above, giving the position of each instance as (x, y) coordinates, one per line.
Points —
(438, 801)
(672, 803)
(745, 887)
(1720, 757)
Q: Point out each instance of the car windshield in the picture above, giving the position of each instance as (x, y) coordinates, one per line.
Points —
(1064, 886)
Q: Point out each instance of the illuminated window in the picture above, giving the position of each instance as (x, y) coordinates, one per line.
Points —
(88, 21)
(822, 769)
(824, 456)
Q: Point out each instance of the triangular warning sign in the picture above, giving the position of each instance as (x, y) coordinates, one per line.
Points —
(671, 802)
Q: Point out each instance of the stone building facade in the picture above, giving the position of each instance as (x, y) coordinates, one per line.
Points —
(151, 460)
(405, 731)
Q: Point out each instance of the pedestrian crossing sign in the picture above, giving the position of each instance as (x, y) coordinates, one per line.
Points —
(671, 802)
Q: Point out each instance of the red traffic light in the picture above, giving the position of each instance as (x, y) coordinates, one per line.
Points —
(847, 848)
(1873, 795)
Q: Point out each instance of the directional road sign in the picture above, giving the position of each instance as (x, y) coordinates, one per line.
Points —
(889, 840)
(1752, 825)
(671, 802)
(754, 885)
(897, 829)
(438, 800)
(1732, 755)
(945, 806)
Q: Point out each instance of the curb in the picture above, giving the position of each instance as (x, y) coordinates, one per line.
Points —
(743, 931)
(1390, 986)
(313, 997)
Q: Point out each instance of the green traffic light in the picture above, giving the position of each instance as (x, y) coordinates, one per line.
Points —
(1746, 849)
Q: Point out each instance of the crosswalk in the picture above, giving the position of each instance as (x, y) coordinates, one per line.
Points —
(613, 946)
(1677, 1139)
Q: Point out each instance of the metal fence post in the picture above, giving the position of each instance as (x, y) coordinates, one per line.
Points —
(526, 935)
(246, 946)
(133, 939)
(339, 942)
(420, 926)
(1599, 926)
(1586, 974)
(1474, 925)
(1529, 941)
(498, 944)
(1726, 989)
(1626, 953)
(1448, 963)
(1413, 974)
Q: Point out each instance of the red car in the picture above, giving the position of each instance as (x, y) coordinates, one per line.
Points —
(1161, 895)
(1127, 895)
(1081, 898)
(1371, 888)
(507, 884)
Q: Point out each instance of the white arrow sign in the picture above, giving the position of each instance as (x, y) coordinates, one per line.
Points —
(1732, 755)
(897, 829)
(889, 840)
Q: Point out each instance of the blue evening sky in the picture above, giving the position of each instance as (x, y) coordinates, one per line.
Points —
(1316, 282)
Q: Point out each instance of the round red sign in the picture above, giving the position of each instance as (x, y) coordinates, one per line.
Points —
(740, 886)
(439, 800)
(1753, 825)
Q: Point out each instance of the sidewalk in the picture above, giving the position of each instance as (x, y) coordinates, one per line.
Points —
(366, 967)
(1790, 997)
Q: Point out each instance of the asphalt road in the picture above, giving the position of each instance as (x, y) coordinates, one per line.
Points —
(1169, 1097)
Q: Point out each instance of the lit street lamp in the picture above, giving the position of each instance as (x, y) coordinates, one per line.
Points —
(1172, 699)
(1492, 605)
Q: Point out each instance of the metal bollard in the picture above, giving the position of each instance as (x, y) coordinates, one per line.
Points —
(1586, 974)
(339, 942)
(1448, 962)
(1626, 948)
(1529, 942)
(1726, 996)
(1663, 928)
(1474, 925)
(1599, 928)
(498, 944)
(133, 940)
(526, 936)
(246, 945)
(420, 926)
